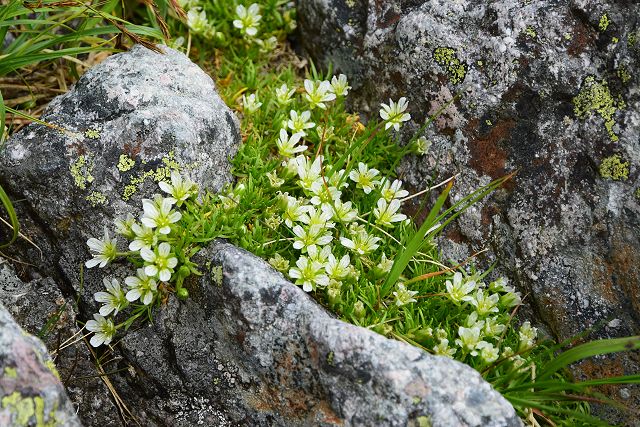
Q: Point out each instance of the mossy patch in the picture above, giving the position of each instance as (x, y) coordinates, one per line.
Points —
(614, 168)
(595, 96)
(81, 170)
(446, 57)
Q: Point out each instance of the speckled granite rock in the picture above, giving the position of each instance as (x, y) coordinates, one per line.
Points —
(257, 350)
(30, 390)
(548, 88)
(39, 307)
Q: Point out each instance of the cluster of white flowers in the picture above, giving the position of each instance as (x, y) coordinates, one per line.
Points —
(319, 219)
(148, 241)
(482, 328)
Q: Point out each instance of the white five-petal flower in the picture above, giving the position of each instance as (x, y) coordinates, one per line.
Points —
(159, 262)
(298, 123)
(394, 113)
(103, 251)
(104, 330)
(141, 287)
(248, 19)
(158, 214)
(339, 85)
(114, 299)
(364, 177)
(284, 94)
(180, 189)
(318, 93)
(287, 146)
(387, 213)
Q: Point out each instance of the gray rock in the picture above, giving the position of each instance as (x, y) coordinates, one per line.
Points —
(39, 307)
(30, 389)
(253, 349)
(549, 89)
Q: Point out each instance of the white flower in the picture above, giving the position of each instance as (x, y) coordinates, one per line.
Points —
(287, 145)
(308, 172)
(485, 304)
(113, 299)
(103, 251)
(103, 329)
(443, 349)
(274, 180)
(488, 352)
(336, 178)
(527, 335)
(123, 226)
(385, 264)
(364, 177)
(279, 263)
(403, 295)
(310, 236)
(145, 237)
(309, 274)
(248, 19)
(341, 212)
(319, 217)
(294, 211)
(267, 45)
(298, 123)
(251, 103)
(159, 262)
(469, 338)
(197, 21)
(386, 214)
(338, 270)
(158, 214)
(321, 256)
(422, 145)
(493, 327)
(141, 287)
(362, 243)
(393, 114)
(180, 189)
(318, 93)
(323, 193)
(284, 94)
(339, 85)
(390, 191)
(458, 290)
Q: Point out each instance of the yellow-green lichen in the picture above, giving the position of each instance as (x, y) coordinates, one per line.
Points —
(423, 421)
(96, 198)
(567, 36)
(623, 74)
(92, 133)
(125, 163)
(52, 367)
(614, 168)
(81, 171)
(488, 122)
(161, 173)
(637, 193)
(632, 39)
(26, 410)
(446, 57)
(530, 32)
(604, 22)
(614, 40)
(595, 96)
(10, 372)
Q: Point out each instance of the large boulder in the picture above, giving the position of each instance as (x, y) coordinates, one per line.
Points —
(30, 389)
(250, 348)
(548, 89)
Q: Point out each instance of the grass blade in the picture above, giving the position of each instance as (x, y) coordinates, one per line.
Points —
(590, 349)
